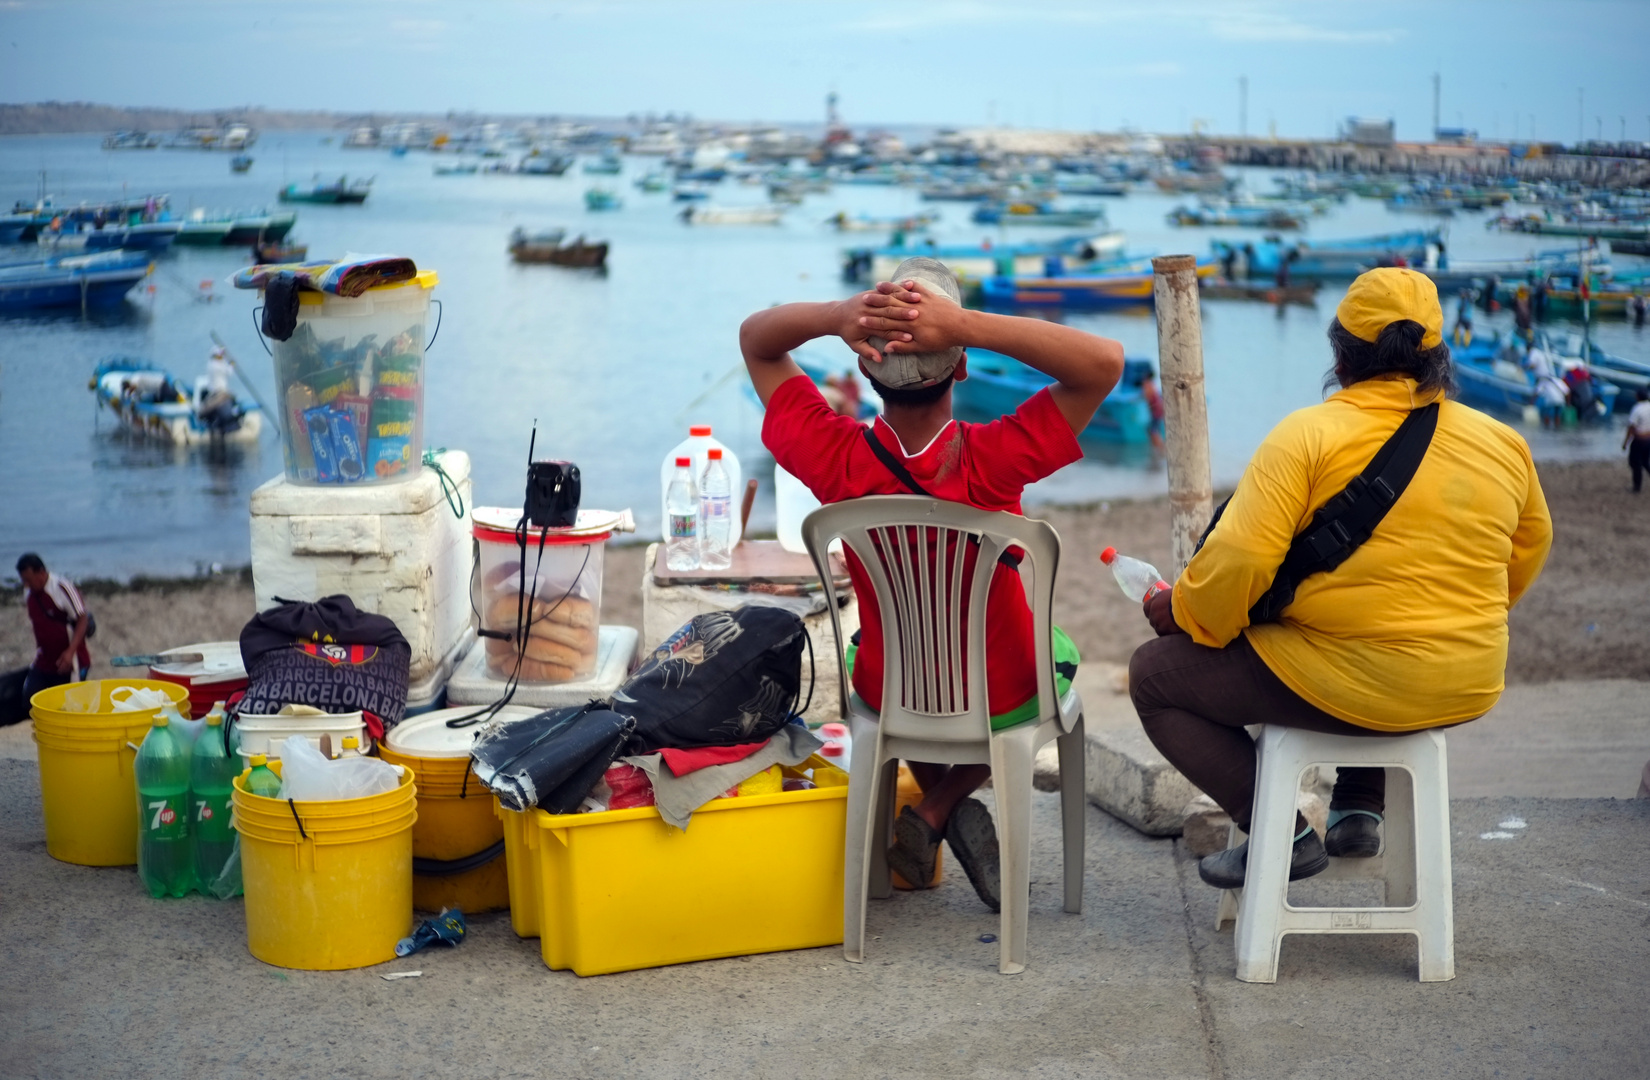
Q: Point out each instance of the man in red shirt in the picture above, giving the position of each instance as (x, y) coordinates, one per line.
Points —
(61, 625)
(911, 336)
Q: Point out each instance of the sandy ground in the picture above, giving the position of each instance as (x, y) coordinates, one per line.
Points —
(1583, 619)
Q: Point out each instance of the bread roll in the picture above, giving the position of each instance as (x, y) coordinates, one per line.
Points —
(577, 661)
(572, 611)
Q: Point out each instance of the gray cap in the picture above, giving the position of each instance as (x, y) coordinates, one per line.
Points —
(909, 371)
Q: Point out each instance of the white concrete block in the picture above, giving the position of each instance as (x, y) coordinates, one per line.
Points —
(396, 549)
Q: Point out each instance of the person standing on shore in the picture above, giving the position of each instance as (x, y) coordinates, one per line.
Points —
(1637, 440)
(61, 626)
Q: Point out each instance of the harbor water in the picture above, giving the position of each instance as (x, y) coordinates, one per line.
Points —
(611, 367)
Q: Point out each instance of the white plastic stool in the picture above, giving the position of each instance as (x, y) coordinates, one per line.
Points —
(1414, 863)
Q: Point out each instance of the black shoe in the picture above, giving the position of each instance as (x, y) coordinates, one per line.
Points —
(916, 847)
(1356, 836)
(973, 840)
(1225, 869)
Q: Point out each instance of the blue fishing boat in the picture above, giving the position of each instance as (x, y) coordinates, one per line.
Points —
(153, 237)
(148, 401)
(1127, 285)
(998, 384)
(1491, 377)
(1035, 213)
(975, 262)
(602, 199)
(85, 281)
(1629, 376)
(12, 227)
(1325, 259)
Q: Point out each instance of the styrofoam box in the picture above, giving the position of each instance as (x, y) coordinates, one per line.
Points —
(264, 733)
(473, 684)
(395, 549)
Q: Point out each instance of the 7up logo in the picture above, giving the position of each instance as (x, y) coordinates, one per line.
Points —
(164, 814)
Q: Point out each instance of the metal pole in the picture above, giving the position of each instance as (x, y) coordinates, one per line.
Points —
(1186, 414)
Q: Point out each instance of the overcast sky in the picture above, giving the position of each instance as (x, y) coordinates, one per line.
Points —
(1151, 64)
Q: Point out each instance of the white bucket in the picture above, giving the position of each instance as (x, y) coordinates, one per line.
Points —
(264, 734)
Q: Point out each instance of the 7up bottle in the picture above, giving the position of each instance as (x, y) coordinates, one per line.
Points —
(165, 858)
(211, 778)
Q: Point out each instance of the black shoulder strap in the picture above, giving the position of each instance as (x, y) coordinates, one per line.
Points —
(1343, 523)
(1010, 558)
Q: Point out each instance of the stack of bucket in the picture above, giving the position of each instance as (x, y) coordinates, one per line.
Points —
(87, 786)
(328, 883)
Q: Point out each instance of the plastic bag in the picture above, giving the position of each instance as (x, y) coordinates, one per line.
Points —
(228, 882)
(137, 699)
(307, 775)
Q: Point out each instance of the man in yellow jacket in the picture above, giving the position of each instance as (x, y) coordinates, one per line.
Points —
(1410, 632)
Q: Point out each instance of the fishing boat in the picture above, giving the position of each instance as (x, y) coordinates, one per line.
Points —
(1187, 182)
(690, 193)
(1216, 288)
(1332, 259)
(153, 237)
(1090, 186)
(201, 231)
(255, 228)
(131, 140)
(547, 247)
(1246, 216)
(842, 222)
(1491, 377)
(1603, 230)
(240, 162)
(974, 262)
(733, 215)
(652, 182)
(100, 280)
(149, 402)
(279, 252)
(606, 165)
(1032, 213)
(602, 199)
(338, 193)
(1127, 286)
(13, 226)
(1563, 294)
(1628, 375)
(460, 168)
(997, 385)
(540, 163)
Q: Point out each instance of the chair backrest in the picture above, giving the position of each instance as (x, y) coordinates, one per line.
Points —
(931, 563)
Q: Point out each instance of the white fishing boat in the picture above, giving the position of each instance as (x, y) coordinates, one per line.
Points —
(733, 215)
(149, 402)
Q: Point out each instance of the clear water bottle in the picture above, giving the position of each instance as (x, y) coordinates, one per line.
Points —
(1138, 580)
(166, 861)
(211, 781)
(682, 519)
(715, 515)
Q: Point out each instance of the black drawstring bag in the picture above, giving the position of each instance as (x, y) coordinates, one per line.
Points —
(727, 677)
(552, 760)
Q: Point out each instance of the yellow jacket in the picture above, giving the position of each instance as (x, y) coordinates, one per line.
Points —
(1411, 631)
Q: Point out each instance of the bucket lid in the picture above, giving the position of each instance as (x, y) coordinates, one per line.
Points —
(220, 662)
(497, 525)
(428, 736)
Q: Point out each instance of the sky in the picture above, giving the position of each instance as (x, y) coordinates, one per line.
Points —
(1508, 67)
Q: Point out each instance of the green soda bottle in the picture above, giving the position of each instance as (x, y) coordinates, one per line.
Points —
(262, 779)
(166, 862)
(211, 782)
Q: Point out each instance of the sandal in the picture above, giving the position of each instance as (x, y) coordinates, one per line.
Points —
(973, 839)
(916, 847)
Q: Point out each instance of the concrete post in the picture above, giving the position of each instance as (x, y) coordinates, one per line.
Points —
(1186, 415)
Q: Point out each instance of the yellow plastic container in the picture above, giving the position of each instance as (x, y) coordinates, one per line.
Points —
(521, 854)
(456, 820)
(87, 789)
(338, 893)
(623, 890)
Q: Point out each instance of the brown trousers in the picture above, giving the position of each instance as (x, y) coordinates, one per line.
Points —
(1195, 701)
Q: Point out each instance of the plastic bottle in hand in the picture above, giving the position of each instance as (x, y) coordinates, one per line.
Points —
(262, 779)
(211, 781)
(715, 515)
(1139, 580)
(682, 519)
(166, 862)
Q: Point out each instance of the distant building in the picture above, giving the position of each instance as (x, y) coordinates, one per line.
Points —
(1364, 132)
(1456, 136)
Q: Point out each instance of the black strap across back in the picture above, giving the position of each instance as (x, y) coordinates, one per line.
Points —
(1010, 558)
(1343, 523)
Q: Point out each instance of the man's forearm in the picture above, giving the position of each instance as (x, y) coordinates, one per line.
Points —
(769, 334)
(81, 625)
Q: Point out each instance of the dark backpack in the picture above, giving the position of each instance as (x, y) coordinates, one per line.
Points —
(328, 655)
(727, 677)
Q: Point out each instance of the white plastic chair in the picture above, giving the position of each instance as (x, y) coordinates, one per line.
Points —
(1414, 864)
(922, 555)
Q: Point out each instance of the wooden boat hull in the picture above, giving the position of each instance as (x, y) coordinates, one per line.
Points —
(579, 255)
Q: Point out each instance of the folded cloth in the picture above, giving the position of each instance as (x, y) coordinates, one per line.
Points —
(351, 277)
(677, 797)
(682, 762)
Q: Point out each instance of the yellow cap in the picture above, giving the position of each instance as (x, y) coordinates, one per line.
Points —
(1379, 298)
(258, 759)
(351, 743)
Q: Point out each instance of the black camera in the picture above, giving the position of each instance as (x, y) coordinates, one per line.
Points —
(552, 494)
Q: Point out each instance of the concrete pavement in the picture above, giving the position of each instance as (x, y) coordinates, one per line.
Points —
(1552, 954)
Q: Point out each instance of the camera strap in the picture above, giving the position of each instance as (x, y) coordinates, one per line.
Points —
(1343, 523)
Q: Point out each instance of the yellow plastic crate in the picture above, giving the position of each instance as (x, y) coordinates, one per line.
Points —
(622, 890)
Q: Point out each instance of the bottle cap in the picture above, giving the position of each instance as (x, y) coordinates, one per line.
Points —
(714, 453)
(220, 706)
(831, 749)
(161, 720)
(834, 731)
(351, 743)
(214, 719)
(683, 462)
(700, 431)
(1108, 555)
(258, 759)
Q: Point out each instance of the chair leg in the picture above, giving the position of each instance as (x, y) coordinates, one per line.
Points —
(1266, 886)
(1434, 879)
(879, 882)
(1073, 812)
(1011, 765)
(857, 850)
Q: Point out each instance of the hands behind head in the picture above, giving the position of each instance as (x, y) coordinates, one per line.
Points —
(909, 317)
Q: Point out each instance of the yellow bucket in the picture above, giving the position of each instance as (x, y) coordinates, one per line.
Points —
(456, 821)
(328, 883)
(86, 784)
(751, 874)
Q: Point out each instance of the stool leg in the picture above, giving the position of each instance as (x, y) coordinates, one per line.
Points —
(1073, 812)
(1399, 827)
(1434, 879)
(1259, 934)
